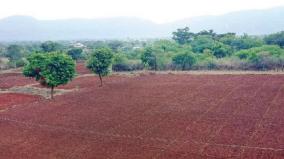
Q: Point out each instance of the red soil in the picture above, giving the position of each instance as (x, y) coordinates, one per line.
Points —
(81, 68)
(11, 99)
(154, 116)
(9, 80)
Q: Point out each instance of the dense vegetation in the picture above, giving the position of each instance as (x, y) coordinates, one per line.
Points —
(205, 50)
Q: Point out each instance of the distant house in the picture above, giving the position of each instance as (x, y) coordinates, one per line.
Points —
(78, 45)
(136, 47)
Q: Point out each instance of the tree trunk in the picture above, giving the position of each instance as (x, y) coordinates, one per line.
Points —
(52, 92)
(101, 80)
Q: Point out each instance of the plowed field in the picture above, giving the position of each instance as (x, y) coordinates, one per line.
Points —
(149, 117)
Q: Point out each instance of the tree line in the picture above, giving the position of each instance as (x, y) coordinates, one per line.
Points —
(205, 50)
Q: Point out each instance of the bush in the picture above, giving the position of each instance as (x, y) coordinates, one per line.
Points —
(202, 42)
(275, 39)
(221, 50)
(21, 62)
(149, 59)
(75, 53)
(184, 61)
(231, 63)
(205, 62)
(263, 58)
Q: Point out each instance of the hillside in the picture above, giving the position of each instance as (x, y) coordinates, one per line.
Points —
(22, 28)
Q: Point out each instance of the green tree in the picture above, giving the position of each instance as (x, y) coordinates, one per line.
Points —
(209, 33)
(183, 36)
(51, 70)
(100, 61)
(14, 52)
(115, 45)
(202, 42)
(50, 46)
(149, 59)
(221, 50)
(275, 39)
(75, 53)
(185, 60)
(246, 42)
(165, 46)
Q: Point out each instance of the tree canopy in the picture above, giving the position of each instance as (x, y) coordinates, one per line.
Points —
(51, 69)
(275, 39)
(149, 59)
(50, 46)
(75, 53)
(14, 52)
(185, 60)
(183, 36)
(100, 61)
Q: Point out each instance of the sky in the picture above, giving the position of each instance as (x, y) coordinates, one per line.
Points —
(159, 11)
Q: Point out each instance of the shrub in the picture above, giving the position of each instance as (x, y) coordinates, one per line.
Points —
(184, 60)
(149, 59)
(75, 53)
(262, 58)
(275, 39)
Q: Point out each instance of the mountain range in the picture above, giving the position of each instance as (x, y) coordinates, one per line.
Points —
(26, 28)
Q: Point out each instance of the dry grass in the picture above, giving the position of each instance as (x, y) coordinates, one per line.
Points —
(29, 89)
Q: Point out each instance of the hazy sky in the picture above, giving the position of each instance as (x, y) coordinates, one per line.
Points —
(156, 10)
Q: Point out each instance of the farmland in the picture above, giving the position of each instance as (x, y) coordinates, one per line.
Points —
(162, 116)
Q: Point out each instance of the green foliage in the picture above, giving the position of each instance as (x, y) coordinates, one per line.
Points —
(50, 46)
(221, 50)
(211, 51)
(275, 39)
(51, 70)
(183, 36)
(264, 57)
(115, 45)
(122, 63)
(149, 59)
(209, 33)
(21, 62)
(272, 50)
(14, 52)
(184, 60)
(205, 61)
(165, 46)
(245, 42)
(100, 61)
(75, 53)
(202, 42)
(227, 38)
(36, 64)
